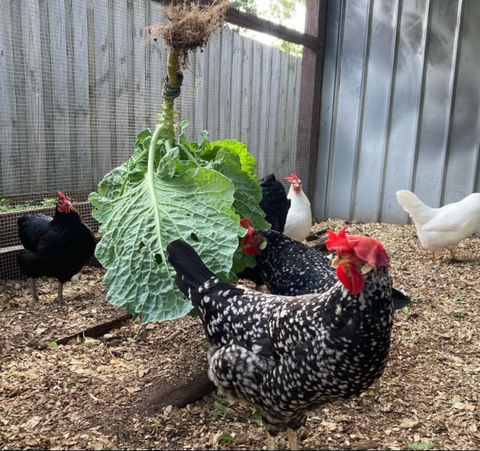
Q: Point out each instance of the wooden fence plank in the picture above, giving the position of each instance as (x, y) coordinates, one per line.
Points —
(245, 103)
(140, 92)
(213, 86)
(236, 86)
(8, 120)
(59, 94)
(36, 160)
(19, 156)
(225, 81)
(271, 129)
(255, 114)
(158, 66)
(80, 106)
(103, 81)
(264, 165)
(282, 116)
(121, 141)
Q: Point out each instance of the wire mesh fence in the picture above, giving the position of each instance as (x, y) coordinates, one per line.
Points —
(77, 85)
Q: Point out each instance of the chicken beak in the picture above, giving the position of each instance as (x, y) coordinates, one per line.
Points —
(337, 261)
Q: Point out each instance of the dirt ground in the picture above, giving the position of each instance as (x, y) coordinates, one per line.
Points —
(92, 393)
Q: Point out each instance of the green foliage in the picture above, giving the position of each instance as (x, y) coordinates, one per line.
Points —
(422, 446)
(6, 206)
(172, 190)
(220, 410)
(227, 437)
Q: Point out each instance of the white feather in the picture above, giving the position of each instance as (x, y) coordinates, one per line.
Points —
(299, 218)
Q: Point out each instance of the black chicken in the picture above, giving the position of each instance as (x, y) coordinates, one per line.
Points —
(274, 202)
(288, 355)
(54, 247)
(290, 268)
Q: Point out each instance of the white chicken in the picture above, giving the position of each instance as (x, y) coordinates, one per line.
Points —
(444, 227)
(299, 218)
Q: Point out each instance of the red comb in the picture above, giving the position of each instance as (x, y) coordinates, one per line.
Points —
(339, 242)
(293, 178)
(364, 248)
(65, 198)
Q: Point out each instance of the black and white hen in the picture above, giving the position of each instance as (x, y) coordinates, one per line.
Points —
(291, 268)
(288, 355)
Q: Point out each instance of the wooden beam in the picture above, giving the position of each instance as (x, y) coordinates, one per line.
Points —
(311, 96)
(252, 22)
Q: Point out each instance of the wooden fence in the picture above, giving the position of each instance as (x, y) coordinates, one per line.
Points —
(77, 84)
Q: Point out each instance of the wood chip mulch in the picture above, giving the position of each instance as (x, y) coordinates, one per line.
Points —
(93, 393)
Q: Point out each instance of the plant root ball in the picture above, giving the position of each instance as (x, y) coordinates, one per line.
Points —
(190, 26)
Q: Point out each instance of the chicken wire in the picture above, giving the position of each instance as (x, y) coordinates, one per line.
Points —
(77, 84)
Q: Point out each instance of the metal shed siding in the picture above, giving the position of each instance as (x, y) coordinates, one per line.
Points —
(400, 106)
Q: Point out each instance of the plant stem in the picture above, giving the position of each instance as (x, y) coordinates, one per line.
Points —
(124, 183)
(189, 154)
(169, 113)
(168, 148)
(151, 153)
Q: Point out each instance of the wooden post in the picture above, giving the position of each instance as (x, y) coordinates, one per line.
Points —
(311, 96)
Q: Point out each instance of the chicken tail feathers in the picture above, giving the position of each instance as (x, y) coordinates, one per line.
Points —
(191, 271)
(418, 211)
(400, 300)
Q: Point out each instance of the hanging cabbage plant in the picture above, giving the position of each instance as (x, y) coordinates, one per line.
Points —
(174, 189)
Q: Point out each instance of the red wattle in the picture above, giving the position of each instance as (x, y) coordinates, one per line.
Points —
(351, 278)
(343, 277)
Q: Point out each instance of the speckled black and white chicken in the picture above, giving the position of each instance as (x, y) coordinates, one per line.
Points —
(289, 355)
(291, 268)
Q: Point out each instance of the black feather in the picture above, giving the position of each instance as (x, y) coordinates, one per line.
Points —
(274, 202)
(28, 226)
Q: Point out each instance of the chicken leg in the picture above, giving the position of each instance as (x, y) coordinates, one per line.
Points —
(59, 297)
(434, 257)
(271, 442)
(33, 290)
(454, 257)
(292, 438)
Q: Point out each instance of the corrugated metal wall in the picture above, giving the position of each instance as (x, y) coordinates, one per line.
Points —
(400, 106)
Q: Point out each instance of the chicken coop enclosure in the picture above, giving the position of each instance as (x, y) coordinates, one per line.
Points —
(78, 83)
(381, 96)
